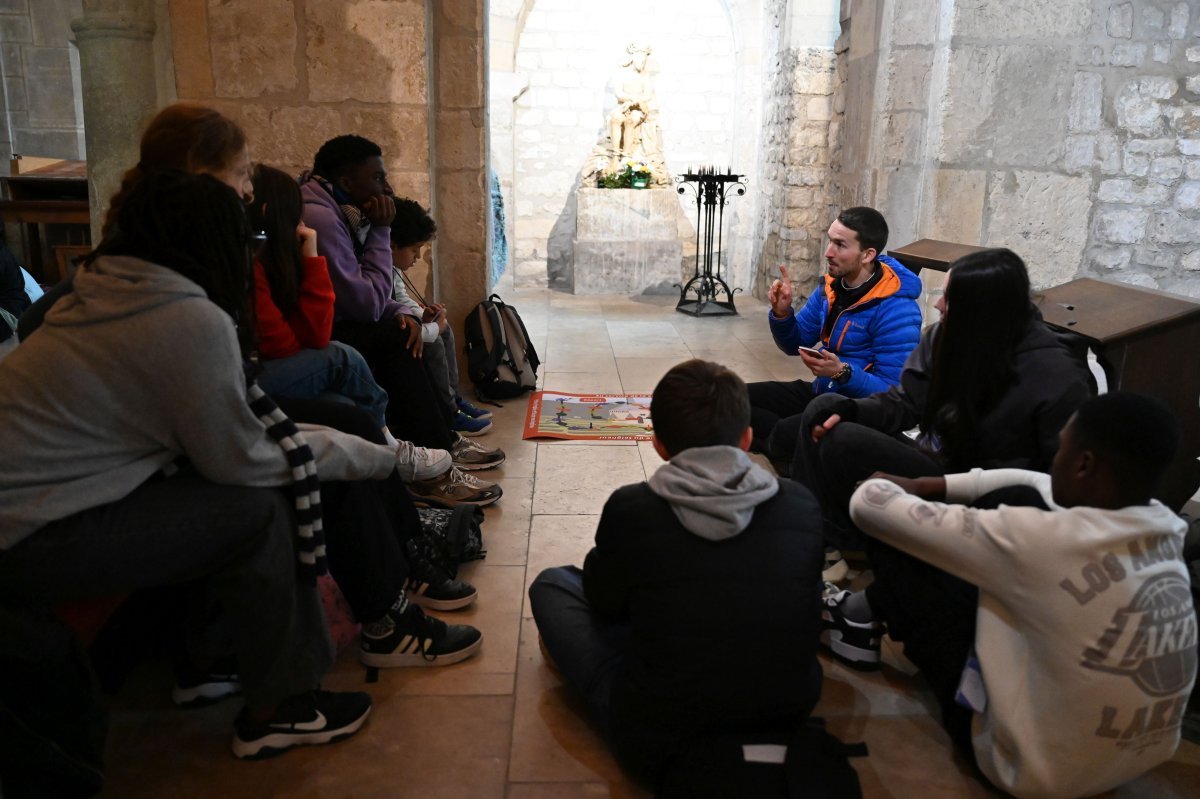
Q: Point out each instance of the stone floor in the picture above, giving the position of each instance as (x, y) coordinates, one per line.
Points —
(501, 724)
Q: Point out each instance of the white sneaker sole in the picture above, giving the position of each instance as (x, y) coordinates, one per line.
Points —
(473, 433)
(398, 660)
(429, 603)
(853, 656)
(277, 743)
(205, 694)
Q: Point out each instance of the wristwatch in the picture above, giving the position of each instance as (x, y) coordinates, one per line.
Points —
(843, 375)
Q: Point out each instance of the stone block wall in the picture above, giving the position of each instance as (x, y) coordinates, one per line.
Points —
(297, 74)
(40, 100)
(1067, 132)
(794, 151)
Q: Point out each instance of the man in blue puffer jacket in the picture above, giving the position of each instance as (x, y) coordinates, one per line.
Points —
(853, 334)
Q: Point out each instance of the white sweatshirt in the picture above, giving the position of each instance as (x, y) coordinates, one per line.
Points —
(1085, 631)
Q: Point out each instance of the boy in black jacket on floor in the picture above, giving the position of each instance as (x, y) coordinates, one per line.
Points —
(697, 611)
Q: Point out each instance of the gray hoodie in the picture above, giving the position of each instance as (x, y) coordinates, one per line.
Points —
(713, 491)
(132, 370)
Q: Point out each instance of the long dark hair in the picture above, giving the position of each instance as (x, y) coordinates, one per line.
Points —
(988, 310)
(194, 225)
(185, 137)
(276, 211)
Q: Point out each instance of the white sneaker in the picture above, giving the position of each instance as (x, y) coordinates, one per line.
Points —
(419, 463)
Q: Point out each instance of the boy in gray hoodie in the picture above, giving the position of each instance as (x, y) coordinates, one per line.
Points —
(697, 611)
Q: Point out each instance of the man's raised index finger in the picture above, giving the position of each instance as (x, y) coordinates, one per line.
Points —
(783, 272)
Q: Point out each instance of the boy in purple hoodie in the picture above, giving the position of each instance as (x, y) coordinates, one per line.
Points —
(348, 201)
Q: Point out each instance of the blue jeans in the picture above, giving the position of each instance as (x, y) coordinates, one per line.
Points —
(588, 650)
(337, 369)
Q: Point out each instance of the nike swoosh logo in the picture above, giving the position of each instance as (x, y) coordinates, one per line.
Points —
(305, 726)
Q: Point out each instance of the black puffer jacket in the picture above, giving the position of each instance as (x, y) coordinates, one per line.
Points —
(1022, 430)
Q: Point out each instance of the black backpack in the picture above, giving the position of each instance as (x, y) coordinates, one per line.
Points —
(449, 537)
(501, 361)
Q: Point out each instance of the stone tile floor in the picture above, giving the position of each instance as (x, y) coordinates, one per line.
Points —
(501, 724)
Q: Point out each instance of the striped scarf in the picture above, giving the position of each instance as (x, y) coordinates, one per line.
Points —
(306, 490)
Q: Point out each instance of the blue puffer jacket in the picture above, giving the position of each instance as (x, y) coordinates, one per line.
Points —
(875, 335)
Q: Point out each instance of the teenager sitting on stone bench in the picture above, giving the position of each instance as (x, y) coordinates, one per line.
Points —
(348, 201)
(413, 229)
(1080, 651)
(140, 367)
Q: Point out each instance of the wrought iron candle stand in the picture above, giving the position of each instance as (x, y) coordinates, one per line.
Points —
(712, 190)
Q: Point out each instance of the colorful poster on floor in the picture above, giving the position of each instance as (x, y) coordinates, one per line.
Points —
(604, 417)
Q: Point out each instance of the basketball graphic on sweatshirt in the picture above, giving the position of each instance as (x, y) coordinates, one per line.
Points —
(1153, 640)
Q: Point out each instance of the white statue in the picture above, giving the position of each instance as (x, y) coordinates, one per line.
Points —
(632, 133)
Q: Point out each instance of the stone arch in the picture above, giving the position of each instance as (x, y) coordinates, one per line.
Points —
(527, 79)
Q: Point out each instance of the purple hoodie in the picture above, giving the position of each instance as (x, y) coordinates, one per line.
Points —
(363, 288)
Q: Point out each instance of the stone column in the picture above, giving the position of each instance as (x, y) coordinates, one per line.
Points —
(458, 139)
(116, 57)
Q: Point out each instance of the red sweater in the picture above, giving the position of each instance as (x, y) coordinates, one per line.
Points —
(307, 327)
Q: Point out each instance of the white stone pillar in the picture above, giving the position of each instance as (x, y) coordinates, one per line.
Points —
(116, 57)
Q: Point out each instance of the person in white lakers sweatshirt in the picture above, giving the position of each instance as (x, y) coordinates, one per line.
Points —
(1084, 631)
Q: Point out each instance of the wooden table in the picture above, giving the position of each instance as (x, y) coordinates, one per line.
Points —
(931, 254)
(1146, 341)
(50, 195)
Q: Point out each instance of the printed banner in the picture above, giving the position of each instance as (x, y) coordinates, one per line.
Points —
(562, 414)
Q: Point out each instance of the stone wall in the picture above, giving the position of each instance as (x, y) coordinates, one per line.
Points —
(1068, 132)
(40, 98)
(297, 74)
(794, 150)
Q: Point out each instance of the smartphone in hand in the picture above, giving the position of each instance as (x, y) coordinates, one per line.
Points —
(815, 353)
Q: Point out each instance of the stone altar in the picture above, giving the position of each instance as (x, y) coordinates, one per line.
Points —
(627, 241)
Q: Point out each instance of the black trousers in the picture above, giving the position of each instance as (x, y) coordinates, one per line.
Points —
(237, 543)
(933, 614)
(367, 523)
(414, 413)
(775, 409)
(847, 455)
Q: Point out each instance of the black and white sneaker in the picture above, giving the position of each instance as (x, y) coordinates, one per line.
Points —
(419, 640)
(433, 590)
(316, 717)
(856, 644)
(196, 687)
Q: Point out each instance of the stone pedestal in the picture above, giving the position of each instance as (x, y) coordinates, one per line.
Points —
(626, 242)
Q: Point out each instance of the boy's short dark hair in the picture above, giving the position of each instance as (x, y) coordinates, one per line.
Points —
(699, 404)
(412, 224)
(1138, 433)
(869, 225)
(342, 153)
